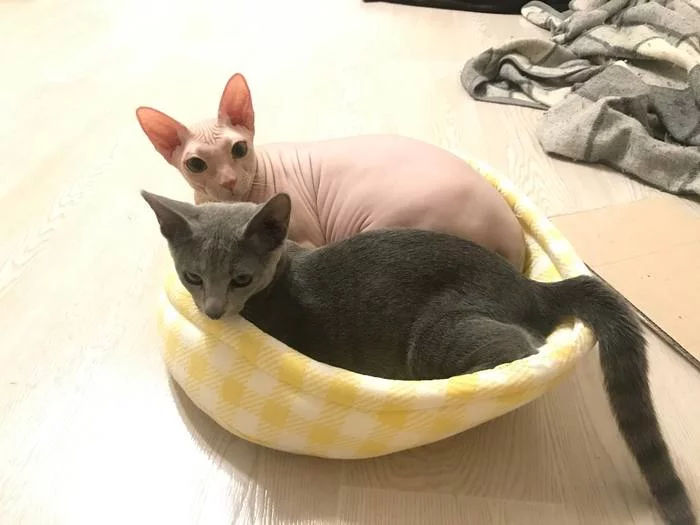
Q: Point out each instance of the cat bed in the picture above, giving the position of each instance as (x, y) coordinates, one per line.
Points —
(265, 392)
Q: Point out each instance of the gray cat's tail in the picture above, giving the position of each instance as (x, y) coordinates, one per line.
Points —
(623, 358)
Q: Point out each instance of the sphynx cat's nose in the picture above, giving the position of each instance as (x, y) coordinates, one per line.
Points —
(229, 183)
(214, 308)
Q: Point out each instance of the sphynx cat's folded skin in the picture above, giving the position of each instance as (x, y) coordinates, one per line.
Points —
(338, 187)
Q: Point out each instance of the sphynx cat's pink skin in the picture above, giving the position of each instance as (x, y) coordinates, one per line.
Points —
(338, 187)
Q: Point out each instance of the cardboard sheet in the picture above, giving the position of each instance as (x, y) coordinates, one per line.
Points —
(649, 251)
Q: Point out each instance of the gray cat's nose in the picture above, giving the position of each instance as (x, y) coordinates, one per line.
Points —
(214, 308)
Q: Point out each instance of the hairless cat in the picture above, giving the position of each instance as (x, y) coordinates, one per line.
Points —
(338, 187)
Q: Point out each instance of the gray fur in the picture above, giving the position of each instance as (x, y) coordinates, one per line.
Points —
(411, 304)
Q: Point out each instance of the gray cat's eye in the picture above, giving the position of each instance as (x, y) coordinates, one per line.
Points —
(241, 281)
(192, 278)
(195, 165)
(239, 149)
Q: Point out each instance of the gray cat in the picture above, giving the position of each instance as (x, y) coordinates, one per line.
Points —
(410, 304)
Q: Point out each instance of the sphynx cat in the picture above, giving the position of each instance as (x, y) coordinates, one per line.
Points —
(338, 187)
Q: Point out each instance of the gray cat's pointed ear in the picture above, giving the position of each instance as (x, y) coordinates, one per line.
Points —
(173, 216)
(268, 227)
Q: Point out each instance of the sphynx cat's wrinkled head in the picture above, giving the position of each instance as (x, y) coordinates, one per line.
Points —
(216, 157)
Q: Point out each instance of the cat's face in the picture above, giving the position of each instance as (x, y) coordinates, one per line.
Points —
(217, 158)
(223, 253)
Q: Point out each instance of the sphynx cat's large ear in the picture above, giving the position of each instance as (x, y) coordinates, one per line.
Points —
(236, 105)
(173, 216)
(268, 227)
(164, 132)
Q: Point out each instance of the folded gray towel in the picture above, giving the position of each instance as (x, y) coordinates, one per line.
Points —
(621, 80)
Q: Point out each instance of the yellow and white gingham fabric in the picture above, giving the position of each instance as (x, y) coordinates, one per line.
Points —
(267, 393)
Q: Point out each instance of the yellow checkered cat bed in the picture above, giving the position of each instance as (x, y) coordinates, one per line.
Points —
(263, 391)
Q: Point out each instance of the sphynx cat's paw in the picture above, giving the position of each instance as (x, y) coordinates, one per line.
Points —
(200, 198)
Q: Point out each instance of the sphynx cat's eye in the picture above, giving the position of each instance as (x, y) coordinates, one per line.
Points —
(241, 281)
(192, 278)
(239, 149)
(196, 165)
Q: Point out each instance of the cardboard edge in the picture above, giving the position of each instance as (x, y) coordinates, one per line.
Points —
(675, 345)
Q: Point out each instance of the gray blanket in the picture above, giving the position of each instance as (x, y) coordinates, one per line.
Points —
(620, 81)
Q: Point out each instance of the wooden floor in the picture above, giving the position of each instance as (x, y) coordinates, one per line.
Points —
(92, 431)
